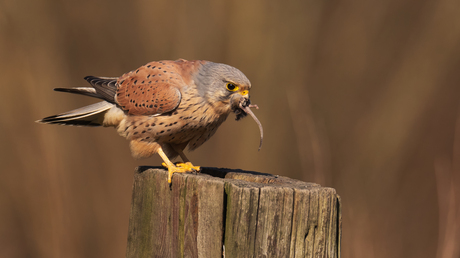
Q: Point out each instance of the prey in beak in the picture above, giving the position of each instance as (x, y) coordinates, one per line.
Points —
(243, 109)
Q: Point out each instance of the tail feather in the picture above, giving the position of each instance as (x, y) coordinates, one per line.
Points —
(92, 115)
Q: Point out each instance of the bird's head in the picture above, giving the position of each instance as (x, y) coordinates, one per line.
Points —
(226, 89)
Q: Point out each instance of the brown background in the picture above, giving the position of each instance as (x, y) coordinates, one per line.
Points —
(361, 96)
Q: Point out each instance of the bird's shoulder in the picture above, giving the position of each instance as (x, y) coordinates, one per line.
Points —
(176, 73)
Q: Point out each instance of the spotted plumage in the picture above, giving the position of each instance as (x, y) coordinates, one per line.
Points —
(165, 106)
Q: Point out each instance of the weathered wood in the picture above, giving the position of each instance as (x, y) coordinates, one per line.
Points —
(231, 213)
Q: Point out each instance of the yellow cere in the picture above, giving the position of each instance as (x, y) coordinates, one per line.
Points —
(244, 92)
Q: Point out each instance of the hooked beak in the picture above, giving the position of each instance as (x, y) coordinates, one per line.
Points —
(245, 105)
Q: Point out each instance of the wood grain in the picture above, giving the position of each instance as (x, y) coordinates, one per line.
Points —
(231, 213)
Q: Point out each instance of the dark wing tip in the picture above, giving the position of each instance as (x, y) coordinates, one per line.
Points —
(63, 89)
(89, 77)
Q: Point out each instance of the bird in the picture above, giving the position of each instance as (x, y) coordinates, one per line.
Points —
(164, 106)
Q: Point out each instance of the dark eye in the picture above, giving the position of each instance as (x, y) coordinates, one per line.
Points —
(231, 87)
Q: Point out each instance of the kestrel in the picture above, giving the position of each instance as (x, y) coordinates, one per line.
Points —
(165, 106)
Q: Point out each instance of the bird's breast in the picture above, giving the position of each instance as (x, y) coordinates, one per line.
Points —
(190, 123)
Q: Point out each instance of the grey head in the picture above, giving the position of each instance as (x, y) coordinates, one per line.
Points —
(227, 89)
(222, 84)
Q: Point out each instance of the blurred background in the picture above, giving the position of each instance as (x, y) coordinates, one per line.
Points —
(361, 96)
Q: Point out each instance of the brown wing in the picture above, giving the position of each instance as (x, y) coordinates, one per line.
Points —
(152, 89)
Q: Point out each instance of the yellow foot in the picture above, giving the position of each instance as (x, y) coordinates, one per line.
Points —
(180, 168)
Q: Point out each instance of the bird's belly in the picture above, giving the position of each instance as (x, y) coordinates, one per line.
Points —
(170, 129)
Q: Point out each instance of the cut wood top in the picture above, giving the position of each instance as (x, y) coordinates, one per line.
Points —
(241, 177)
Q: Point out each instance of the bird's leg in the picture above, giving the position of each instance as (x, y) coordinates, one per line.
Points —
(180, 168)
(187, 164)
(180, 152)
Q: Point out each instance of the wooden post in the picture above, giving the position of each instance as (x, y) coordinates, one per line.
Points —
(231, 213)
